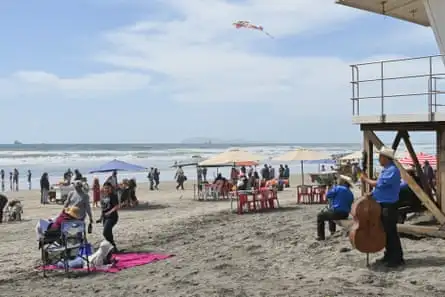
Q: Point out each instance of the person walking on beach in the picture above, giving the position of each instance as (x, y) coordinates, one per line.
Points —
(204, 174)
(29, 179)
(44, 188)
(2, 176)
(151, 177)
(180, 178)
(110, 205)
(156, 174)
(10, 181)
(15, 179)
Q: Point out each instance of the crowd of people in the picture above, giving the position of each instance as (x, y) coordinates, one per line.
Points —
(110, 197)
(14, 179)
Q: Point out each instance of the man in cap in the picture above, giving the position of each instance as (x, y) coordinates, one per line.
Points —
(386, 193)
(340, 199)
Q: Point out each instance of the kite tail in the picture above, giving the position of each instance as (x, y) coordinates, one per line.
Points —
(268, 34)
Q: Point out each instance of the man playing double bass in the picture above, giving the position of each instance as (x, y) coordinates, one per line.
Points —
(386, 193)
(340, 199)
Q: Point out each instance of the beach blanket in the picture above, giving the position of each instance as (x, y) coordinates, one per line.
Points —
(124, 261)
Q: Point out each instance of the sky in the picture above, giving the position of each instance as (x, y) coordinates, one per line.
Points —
(158, 71)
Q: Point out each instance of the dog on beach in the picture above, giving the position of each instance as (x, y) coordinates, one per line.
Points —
(14, 211)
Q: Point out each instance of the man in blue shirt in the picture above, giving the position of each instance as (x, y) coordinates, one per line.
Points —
(386, 193)
(340, 200)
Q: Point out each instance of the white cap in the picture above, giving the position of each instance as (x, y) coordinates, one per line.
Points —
(387, 152)
(346, 179)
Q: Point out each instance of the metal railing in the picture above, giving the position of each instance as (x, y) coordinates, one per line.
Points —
(429, 85)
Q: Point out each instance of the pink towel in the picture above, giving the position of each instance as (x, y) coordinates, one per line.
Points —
(125, 261)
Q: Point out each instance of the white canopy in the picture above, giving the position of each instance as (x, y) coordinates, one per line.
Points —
(232, 156)
(303, 155)
(408, 10)
(353, 156)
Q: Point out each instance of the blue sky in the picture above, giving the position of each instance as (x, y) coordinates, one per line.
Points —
(161, 71)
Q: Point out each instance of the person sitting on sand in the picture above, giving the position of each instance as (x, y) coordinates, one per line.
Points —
(125, 194)
(132, 185)
(68, 214)
(340, 199)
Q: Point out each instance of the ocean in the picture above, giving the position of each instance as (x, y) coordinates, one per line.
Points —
(57, 158)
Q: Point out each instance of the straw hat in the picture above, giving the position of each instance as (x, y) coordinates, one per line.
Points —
(346, 179)
(387, 152)
(73, 212)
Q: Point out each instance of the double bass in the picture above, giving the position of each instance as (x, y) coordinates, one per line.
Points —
(367, 234)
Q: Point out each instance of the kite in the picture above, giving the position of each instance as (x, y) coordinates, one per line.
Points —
(249, 25)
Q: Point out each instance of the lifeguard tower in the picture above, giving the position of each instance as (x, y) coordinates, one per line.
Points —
(404, 96)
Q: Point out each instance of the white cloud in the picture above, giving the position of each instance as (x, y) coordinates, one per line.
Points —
(94, 85)
(203, 58)
(208, 60)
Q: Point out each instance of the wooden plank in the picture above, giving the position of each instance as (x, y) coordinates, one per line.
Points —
(424, 198)
(412, 126)
(397, 140)
(440, 177)
(369, 150)
(423, 231)
(419, 170)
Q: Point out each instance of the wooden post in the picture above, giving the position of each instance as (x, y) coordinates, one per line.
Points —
(412, 153)
(424, 198)
(396, 142)
(369, 150)
(440, 175)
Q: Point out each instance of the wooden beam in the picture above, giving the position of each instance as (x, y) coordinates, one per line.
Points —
(420, 231)
(440, 175)
(412, 153)
(369, 151)
(396, 142)
(424, 198)
(417, 126)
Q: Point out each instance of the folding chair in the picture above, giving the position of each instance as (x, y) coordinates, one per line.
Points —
(64, 245)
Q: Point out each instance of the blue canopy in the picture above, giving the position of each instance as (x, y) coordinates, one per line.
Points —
(117, 165)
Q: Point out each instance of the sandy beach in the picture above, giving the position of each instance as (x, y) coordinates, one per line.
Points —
(218, 253)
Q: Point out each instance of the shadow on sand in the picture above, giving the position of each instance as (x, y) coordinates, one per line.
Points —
(271, 210)
(145, 206)
(430, 261)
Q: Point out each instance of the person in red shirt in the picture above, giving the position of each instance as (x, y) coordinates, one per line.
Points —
(96, 192)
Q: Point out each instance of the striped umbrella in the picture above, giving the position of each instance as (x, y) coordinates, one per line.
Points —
(422, 157)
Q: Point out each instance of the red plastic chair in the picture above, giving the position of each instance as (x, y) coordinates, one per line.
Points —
(304, 194)
(243, 200)
(272, 196)
(319, 195)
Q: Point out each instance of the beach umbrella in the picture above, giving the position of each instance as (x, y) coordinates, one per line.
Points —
(353, 156)
(193, 161)
(233, 157)
(422, 157)
(303, 155)
(116, 165)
